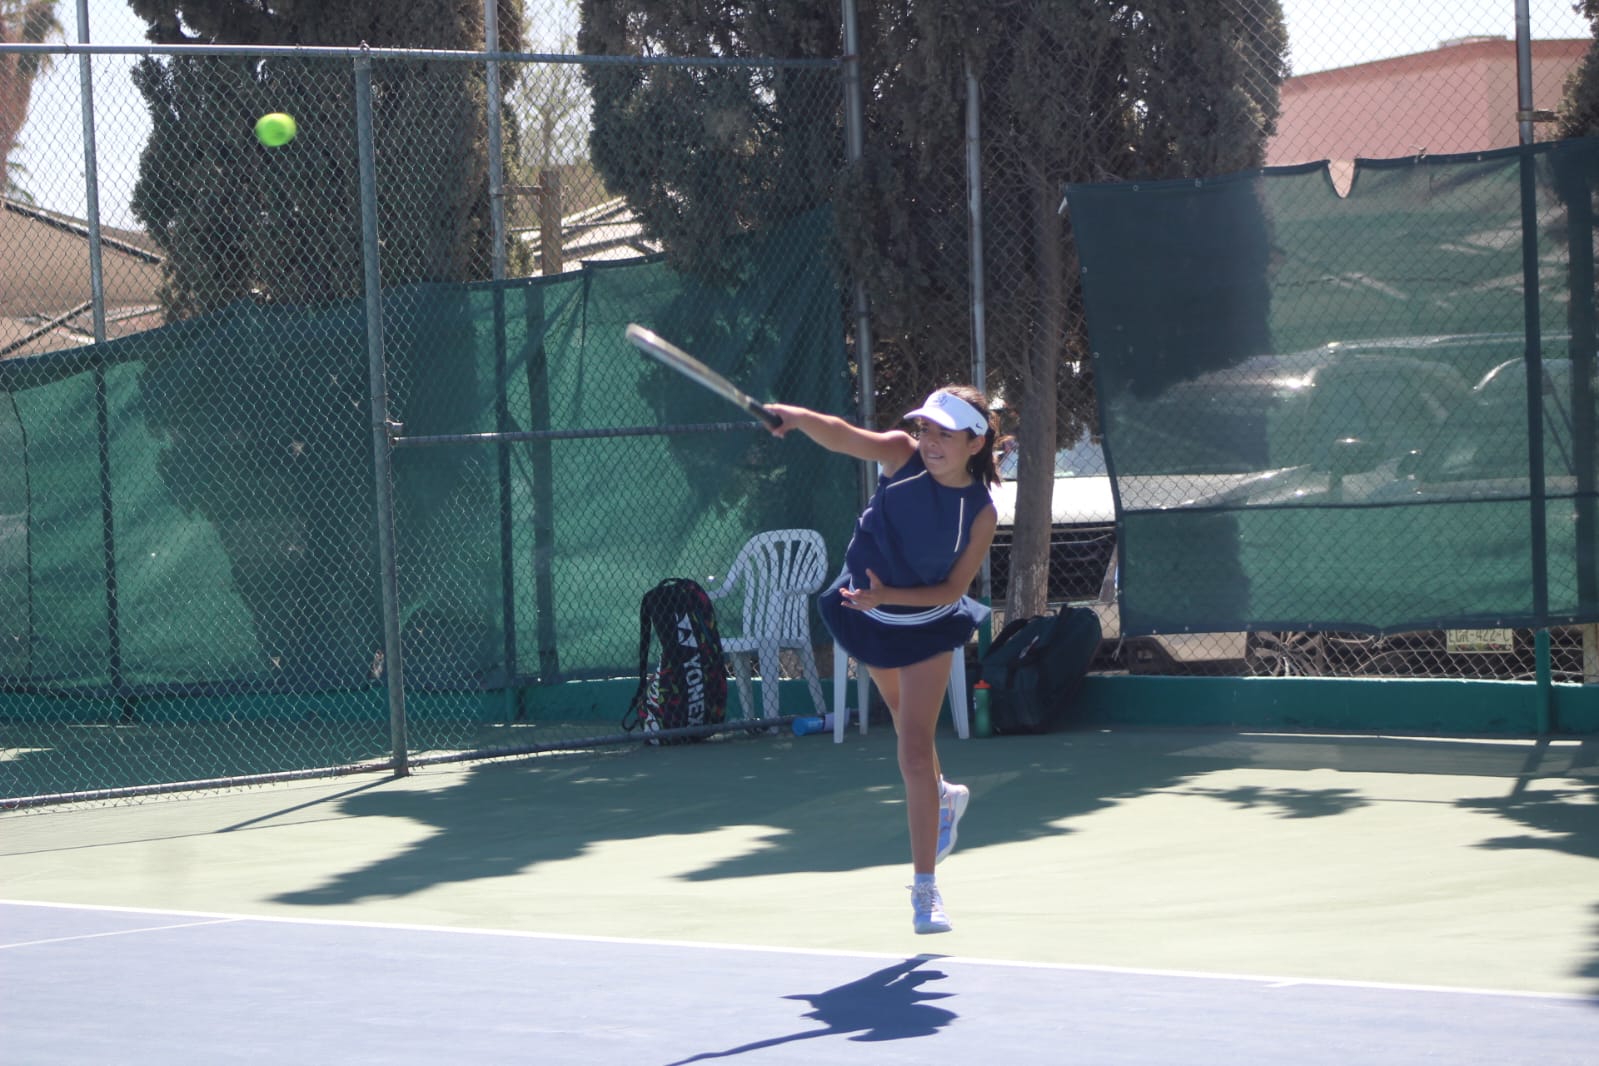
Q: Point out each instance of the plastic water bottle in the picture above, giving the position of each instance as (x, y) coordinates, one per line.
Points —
(980, 722)
(812, 723)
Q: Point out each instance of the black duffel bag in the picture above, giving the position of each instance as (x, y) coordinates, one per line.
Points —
(1035, 667)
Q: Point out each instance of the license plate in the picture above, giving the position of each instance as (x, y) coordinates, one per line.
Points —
(1479, 641)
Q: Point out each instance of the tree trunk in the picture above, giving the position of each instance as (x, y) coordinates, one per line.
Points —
(1036, 435)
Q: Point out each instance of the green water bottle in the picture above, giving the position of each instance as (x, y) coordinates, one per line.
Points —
(980, 723)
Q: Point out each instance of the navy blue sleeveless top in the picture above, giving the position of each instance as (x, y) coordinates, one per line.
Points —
(914, 529)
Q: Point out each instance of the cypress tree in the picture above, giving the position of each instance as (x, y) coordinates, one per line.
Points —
(1579, 112)
(1071, 90)
(267, 435)
(703, 154)
(237, 220)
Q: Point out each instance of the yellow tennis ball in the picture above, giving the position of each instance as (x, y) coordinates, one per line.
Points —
(275, 129)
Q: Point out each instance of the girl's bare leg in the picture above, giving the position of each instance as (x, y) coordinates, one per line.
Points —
(915, 695)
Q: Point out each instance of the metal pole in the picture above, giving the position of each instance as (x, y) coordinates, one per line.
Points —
(854, 142)
(382, 444)
(541, 458)
(422, 55)
(502, 402)
(491, 44)
(91, 174)
(974, 214)
(102, 408)
(1524, 111)
(502, 421)
(1572, 182)
(1529, 254)
(974, 210)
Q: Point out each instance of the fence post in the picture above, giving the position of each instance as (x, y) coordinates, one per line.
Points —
(491, 45)
(91, 175)
(502, 402)
(102, 412)
(854, 142)
(1571, 183)
(1534, 360)
(382, 429)
(974, 215)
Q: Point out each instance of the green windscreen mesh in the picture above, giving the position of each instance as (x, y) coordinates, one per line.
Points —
(1316, 408)
(192, 510)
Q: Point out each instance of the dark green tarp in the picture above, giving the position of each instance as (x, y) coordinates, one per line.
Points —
(238, 459)
(1316, 409)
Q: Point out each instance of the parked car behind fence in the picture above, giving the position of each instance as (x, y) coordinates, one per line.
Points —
(1393, 420)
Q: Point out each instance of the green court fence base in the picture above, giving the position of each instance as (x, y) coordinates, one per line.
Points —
(1387, 705)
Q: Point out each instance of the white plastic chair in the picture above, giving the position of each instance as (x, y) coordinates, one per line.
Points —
(778, 572)
(957, 693)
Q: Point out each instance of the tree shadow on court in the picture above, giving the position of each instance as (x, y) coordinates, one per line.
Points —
(753, 808)
(795, 805)
(1289, 802)
(818, 807)
(888, 1004)
(1557, 818)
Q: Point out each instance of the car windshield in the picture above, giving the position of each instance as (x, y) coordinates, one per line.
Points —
(1085, 458)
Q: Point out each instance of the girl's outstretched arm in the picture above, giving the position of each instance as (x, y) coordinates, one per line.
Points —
(892, 448)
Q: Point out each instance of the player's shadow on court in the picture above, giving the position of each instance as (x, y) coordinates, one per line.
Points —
(886, 1005)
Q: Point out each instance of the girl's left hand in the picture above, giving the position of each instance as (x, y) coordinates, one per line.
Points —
(867, 598)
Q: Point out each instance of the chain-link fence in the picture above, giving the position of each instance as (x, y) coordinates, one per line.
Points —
(1386, 479)
(356, 500)
(194, 569)
(1334, 82)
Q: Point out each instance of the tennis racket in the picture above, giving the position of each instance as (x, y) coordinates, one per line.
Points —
(666, 352)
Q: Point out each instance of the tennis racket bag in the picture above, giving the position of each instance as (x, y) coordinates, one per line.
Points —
(687, 683)
(1034, 668)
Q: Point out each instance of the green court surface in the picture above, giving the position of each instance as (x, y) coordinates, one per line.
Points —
(1457, 863)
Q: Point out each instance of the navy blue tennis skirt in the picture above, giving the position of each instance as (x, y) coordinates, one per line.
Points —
(891, 637)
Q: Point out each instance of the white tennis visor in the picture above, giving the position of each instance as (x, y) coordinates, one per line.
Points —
(950, 411)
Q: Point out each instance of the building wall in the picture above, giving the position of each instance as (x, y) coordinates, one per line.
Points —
(1457, 98)
(45, 282)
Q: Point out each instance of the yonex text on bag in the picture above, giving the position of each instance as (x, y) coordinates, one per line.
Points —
(687, 685)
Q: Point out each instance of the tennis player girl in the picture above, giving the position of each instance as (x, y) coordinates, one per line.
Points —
(900, 605)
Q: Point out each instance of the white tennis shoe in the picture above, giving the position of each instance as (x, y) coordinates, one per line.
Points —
(927, 910)
(951, 806)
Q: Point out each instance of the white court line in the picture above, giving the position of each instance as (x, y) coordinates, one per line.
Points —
(113, 932)
(218, 918)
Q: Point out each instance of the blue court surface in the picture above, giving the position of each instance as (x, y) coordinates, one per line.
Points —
(129, 986)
